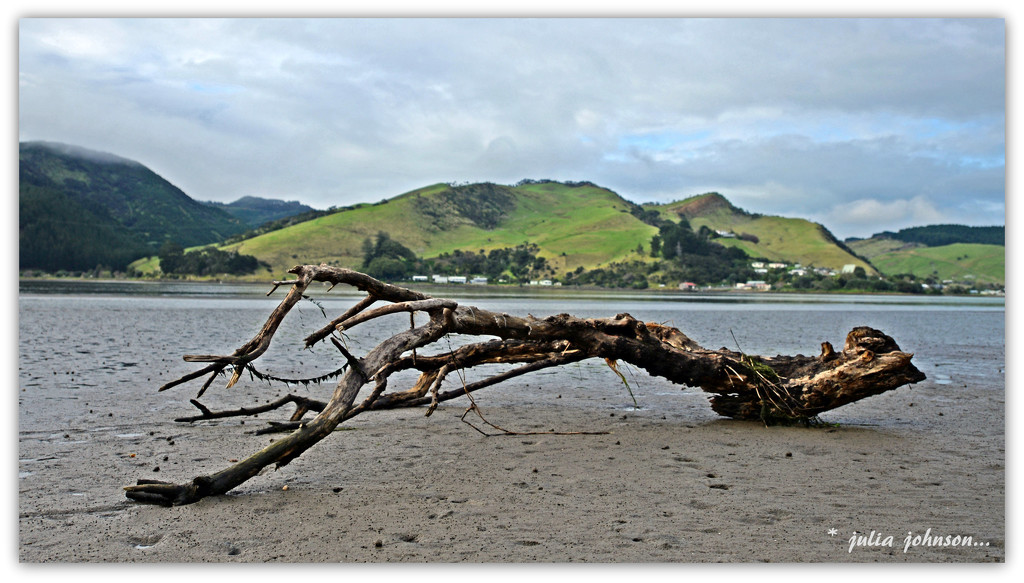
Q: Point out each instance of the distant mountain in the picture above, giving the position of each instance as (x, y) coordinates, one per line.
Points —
(774, 238)
(255, 211)
(80, 208)
(58, 231)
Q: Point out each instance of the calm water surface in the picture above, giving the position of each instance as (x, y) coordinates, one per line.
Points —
(108, 342)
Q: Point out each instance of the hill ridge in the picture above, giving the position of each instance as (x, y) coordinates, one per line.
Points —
(134, 208)
(703, 204)
(579, 225)
(255, 211)
(770, 237)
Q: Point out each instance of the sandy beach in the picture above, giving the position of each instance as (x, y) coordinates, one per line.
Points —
(396, 486)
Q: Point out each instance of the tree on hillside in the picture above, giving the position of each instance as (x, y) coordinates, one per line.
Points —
(695, 257)
(656, 246)
(171, 256)
(386, 258)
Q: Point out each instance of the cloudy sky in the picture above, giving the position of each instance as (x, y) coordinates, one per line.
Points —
(861, 124)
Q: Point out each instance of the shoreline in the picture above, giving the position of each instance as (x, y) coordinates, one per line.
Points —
(711, 292)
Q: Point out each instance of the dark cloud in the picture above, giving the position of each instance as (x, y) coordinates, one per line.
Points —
(831, 119)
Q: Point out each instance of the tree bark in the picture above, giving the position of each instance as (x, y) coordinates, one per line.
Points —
(777, 389)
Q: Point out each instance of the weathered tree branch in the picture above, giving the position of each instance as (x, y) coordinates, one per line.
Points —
(788, 388)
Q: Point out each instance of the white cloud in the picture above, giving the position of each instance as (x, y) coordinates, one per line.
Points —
(793, 116)
(888, 215)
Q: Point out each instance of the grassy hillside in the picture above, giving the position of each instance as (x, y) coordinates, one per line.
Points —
(875, 246)
(574, 225)
(960, 261)
(777, 238)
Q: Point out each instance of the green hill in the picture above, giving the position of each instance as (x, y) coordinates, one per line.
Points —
(875, 246)
(958, 262)
(769, 237)
(575, 225)
(62, 188)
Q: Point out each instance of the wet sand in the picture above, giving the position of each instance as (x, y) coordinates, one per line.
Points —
(396, 486)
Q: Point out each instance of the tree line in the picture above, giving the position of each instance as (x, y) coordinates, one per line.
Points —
(386, 258)
(206, 261)
(938, 235)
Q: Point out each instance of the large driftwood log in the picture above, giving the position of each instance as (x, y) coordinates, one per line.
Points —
(783, 388)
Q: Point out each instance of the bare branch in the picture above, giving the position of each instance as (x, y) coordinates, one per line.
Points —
(302, 405)
(414, 306)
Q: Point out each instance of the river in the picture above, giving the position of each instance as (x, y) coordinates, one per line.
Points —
(105, 342)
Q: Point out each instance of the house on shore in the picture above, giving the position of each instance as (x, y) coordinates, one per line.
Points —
(754, 285)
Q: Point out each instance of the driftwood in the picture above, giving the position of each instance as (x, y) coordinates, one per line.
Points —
(770, 389)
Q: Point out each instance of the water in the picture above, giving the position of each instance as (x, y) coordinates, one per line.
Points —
(94, 346)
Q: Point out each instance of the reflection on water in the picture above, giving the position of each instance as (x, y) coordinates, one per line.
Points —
(705, 300)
